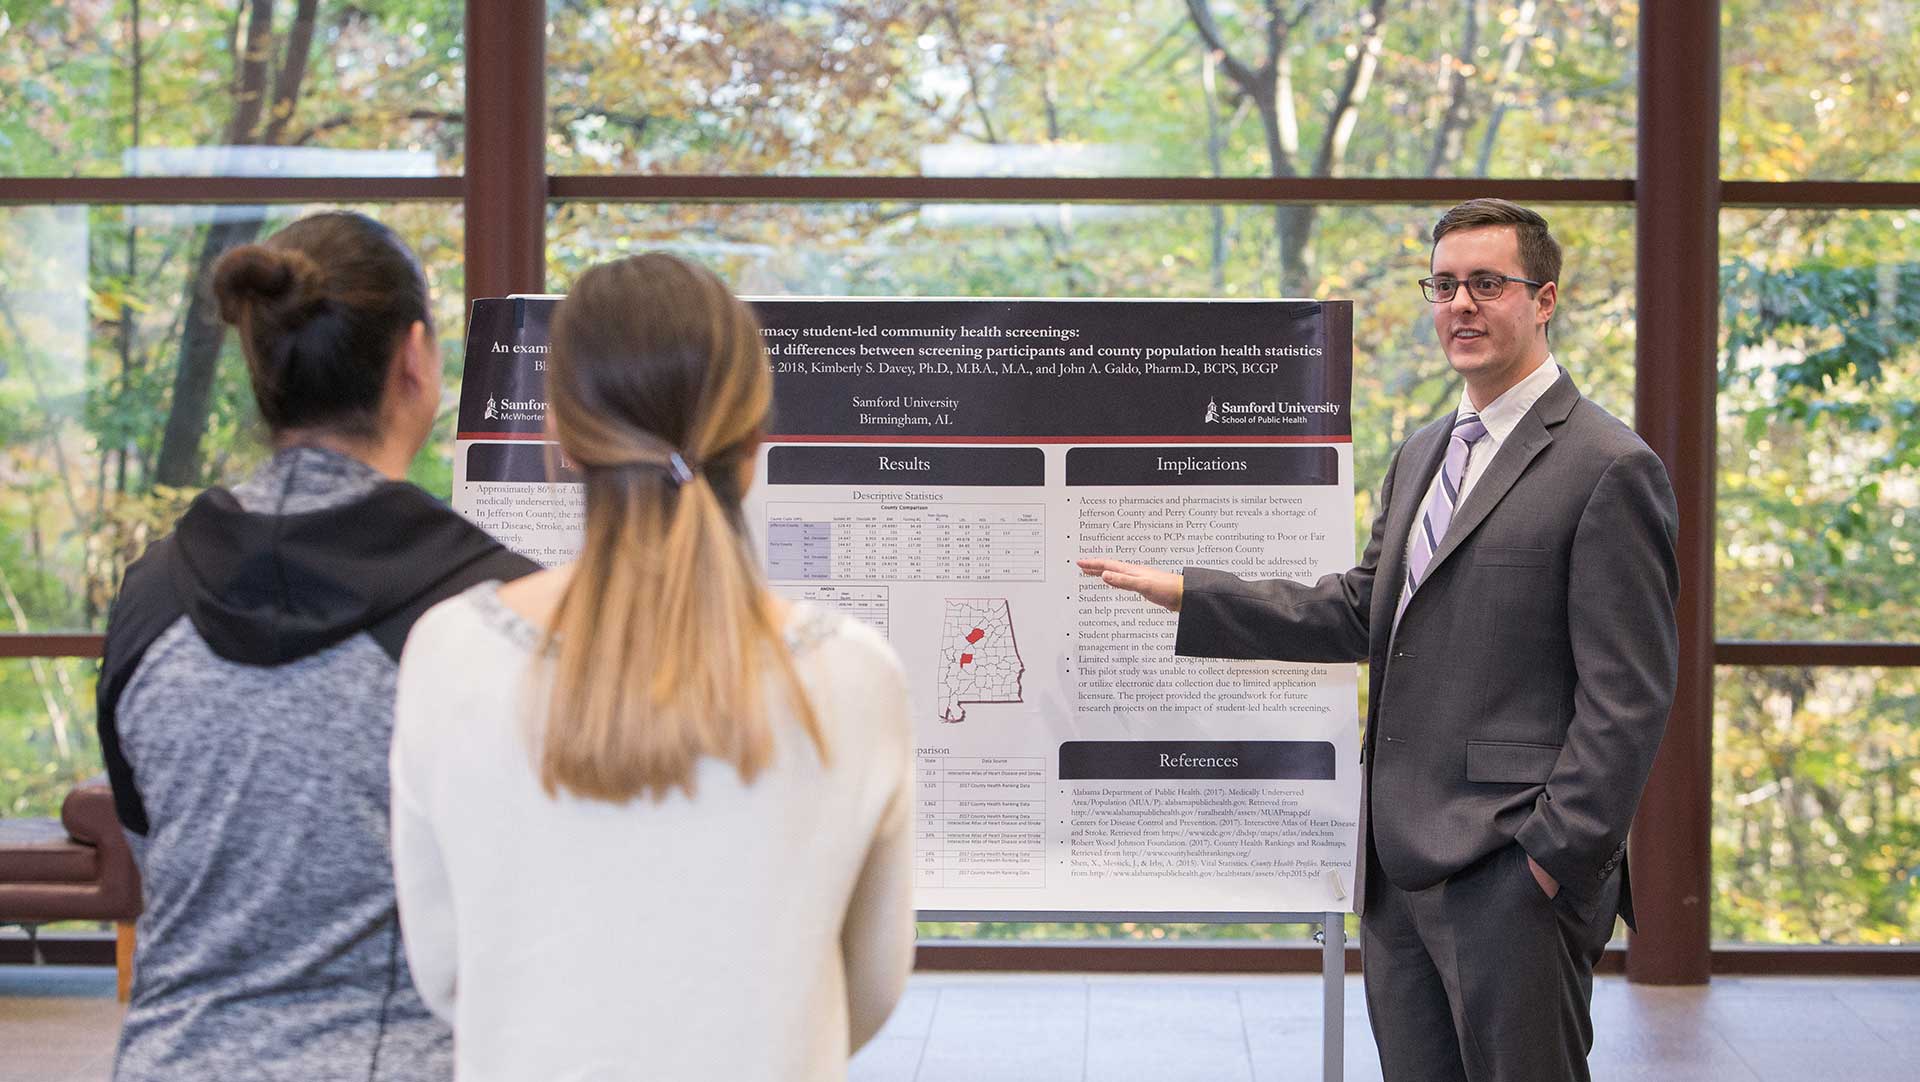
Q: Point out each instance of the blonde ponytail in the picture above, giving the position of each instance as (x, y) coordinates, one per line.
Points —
(664, 640)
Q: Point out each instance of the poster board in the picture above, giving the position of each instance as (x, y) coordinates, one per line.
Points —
(934, 468)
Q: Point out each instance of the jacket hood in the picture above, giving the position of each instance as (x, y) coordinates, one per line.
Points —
(266, 589)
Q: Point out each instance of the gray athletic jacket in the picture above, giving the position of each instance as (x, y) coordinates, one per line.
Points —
(245, 711)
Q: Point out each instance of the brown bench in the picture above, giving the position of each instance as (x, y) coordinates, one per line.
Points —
(77, 867)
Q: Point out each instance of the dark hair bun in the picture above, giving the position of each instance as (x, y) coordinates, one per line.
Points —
(319, 343)
(255, 276)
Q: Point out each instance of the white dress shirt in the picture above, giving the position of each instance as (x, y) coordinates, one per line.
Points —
(1501, 417)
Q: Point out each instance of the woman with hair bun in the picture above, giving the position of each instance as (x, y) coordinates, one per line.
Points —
(246, 696)
(650, 821)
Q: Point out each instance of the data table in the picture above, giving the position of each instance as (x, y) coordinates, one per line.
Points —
(828, 542)
(980, 821)
(870, 605)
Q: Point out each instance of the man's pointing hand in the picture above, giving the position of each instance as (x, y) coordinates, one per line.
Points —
(1163, 588)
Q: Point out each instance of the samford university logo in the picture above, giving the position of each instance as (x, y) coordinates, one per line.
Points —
(1213, 412)
(509, 409)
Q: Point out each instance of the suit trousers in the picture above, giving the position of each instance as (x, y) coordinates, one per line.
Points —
(1481, 977)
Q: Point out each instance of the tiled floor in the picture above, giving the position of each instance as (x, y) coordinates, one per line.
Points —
(1160, 1029)
(58, 1023)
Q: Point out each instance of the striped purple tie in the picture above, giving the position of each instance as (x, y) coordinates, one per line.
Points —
(1467, 431)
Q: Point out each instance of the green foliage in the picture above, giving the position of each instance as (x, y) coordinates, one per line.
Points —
(1811, 90)
(1820, 455)
(1817, 776)
(1852, 322)
(47, 739)
(1101, 86)
(94, 300)
(1817, 827)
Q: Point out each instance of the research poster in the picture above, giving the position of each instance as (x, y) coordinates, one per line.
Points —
(934, 468)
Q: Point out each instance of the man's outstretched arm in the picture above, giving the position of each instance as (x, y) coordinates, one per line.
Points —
(1223, 615)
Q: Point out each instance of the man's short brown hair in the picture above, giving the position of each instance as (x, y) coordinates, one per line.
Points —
(1539, 252)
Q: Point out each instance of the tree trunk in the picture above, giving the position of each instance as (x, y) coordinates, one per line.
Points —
(1210, 93)
(200, 342)
(1271, 89)
(1293, 226)
(203, 333)
(1524, 30)
(1447, 144)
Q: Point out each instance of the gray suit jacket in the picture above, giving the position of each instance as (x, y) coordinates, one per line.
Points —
(1527, 687)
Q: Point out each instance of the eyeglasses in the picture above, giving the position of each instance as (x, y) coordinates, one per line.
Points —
(1481, 287)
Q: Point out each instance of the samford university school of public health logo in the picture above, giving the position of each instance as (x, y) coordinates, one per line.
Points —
(1274, 412)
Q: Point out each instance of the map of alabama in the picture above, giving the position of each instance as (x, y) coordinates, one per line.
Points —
(979, 660)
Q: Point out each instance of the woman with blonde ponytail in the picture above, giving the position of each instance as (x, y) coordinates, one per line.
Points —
(649, 819)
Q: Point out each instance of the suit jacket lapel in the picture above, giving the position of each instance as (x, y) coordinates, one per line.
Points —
(1529, 438)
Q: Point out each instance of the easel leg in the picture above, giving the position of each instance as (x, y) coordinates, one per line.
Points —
(1333, 1005)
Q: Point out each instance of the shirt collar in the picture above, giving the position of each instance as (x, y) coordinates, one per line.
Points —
(1503, 414)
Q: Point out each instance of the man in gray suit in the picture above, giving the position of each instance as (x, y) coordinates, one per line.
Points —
(1516, 604)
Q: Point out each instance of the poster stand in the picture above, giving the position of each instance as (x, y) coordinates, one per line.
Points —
(1332, 937)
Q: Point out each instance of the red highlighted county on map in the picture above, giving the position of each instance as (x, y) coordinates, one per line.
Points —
(979, 659)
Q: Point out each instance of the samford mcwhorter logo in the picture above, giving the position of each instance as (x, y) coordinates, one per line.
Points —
(509, 409)
(1245, 413)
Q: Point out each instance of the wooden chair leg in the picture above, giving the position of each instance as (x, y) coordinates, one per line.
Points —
(123, 956)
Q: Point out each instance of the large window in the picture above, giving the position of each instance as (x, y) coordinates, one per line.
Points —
(120, 397)
(1817, 778)
(1228, 148)
(225, 88)
(1817, 91)
(138, 142)
(1102, 91)
(1819, 497)
(1817, 830)
(1093, 88)
(1370, 255)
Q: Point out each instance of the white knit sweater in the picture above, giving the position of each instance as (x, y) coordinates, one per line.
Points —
(756, 931)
